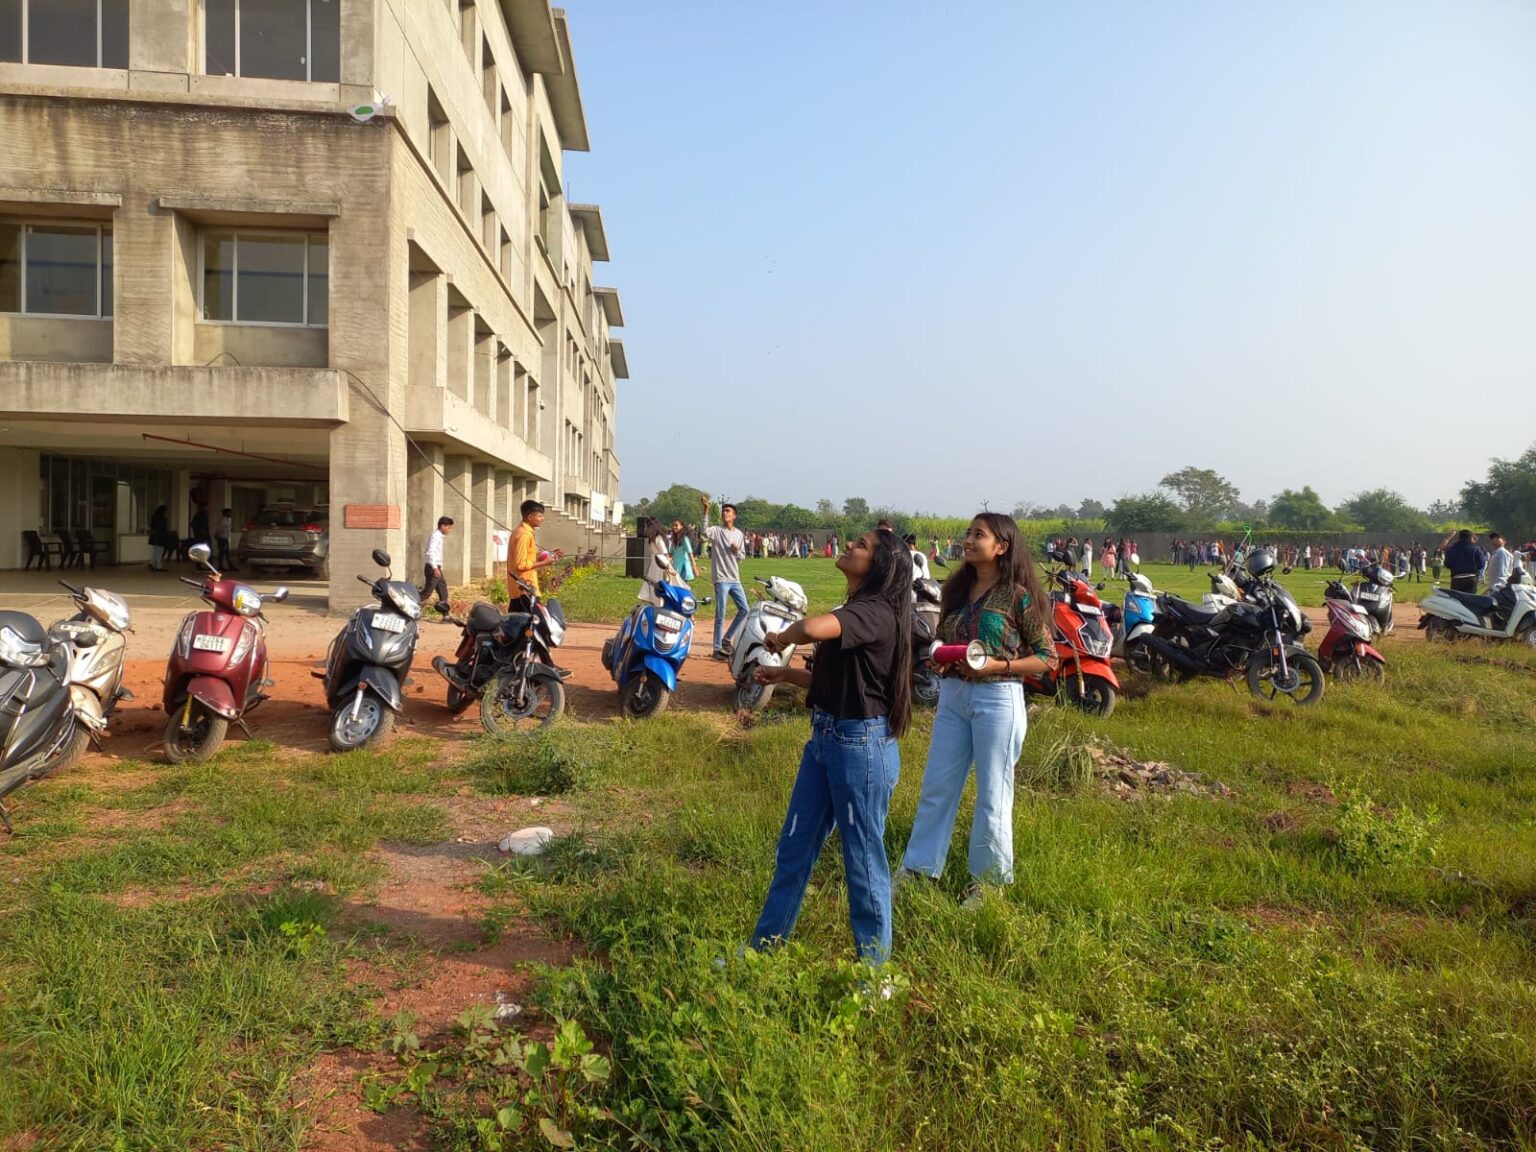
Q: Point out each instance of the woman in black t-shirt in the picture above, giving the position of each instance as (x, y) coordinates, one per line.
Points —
(861, 701)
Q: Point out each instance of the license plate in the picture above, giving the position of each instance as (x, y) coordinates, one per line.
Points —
(388, 623)
(668, 624)
(211, 643)
(277, 539)
(1370, 596)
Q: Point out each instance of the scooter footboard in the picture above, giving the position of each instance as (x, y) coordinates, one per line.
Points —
(215, 695)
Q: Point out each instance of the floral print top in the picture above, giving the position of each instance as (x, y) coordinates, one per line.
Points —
(1004, 622)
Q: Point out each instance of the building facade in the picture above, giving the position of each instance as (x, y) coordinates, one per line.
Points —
(312, 254)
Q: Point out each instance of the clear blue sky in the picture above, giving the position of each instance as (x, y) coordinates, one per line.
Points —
(938, 254)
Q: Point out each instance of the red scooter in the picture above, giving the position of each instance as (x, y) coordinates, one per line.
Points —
(1083, 642)
(218, 666)
(1346, 652)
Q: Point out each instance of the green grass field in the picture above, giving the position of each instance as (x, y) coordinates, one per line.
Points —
(1338, 952)
(606, 595)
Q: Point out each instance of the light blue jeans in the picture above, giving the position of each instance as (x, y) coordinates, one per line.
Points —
(847, 773)
(738, 597)
(980, 723)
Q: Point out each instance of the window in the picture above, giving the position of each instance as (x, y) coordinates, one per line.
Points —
(83, 33)
(266, 278)
(439, 136)
(55, 269)
(273, 39)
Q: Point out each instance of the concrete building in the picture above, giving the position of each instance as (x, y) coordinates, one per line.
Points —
(299, 252)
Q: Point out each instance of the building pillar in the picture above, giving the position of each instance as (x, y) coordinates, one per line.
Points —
(461, 348)
(367, 494)
(482, 497)
(458, 485)
(485, 371)
(424, 504)
(428, 331)
(504, 508)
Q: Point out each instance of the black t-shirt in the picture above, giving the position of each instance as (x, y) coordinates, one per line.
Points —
(852, 676)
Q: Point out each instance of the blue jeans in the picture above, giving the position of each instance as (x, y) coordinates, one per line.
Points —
(847, 774)
(980, 723)
(739, 598)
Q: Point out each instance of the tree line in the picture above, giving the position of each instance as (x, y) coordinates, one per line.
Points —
(1189, 500)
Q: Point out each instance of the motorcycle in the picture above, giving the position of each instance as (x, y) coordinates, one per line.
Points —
(1137, 620)
(38, 726)
(505, 661)
(217, 671)
(1257, 638)
(925, 639)
(646, 654)
(1083, 644)
(369, 660)
(95, 641)
(1509, 614)
(1346, 651)
(781, 604)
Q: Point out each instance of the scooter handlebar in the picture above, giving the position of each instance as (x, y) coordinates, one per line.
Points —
(73, 591)
(190, 581)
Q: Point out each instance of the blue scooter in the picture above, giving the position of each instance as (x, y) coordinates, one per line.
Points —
(1135, 624)
(647, 654)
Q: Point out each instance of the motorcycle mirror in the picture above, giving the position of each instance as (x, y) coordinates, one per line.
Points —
(280, 595)
(200, 553)
(381, 557)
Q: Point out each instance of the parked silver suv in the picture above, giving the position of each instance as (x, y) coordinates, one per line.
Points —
(285, 536)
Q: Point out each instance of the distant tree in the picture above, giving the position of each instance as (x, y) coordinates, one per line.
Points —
(1089, 509)
(1062, 512)
(795, 518)
(856, 508)
(1207, 498)
(1304, 511)
(1506, 500)
(1254, 514)
(678, 502)
(826, 510)
(1382, 510)
(1443, 511)
(1147, 512)
(1028, 510)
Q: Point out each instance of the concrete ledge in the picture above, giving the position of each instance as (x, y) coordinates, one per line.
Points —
(60, 196)
(196, 206)
(438, 415)
(88, 392)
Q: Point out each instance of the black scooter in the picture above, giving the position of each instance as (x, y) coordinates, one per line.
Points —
(369, 660)
(37, 713)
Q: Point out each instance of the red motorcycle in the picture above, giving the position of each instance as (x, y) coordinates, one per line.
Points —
(1346, 651)
(218, 666)
(1083, 641)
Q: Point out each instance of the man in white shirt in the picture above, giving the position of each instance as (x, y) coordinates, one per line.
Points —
(727, 545)
(919, 561)
(433, 562)
(1501, 563)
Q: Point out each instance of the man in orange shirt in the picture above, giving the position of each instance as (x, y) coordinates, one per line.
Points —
(524, 558)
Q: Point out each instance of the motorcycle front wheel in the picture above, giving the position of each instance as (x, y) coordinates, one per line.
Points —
(1439, 628)
(508, 705)
(1095, 695)
(1347, 668)
(925, 687)
(752, 696)
(373, 723)
(198, 739)
(79, 743)
(1302, 682)
(644, 696)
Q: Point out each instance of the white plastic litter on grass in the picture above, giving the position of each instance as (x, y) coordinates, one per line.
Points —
(527, 841)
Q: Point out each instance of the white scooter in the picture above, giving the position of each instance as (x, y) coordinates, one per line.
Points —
(780, 604)
(1509, 614)
(95, 642)
(1224, 591)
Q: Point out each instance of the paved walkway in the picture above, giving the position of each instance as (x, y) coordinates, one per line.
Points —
(39, 593)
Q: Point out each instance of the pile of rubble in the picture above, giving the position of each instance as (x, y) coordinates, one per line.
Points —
(1121, 774)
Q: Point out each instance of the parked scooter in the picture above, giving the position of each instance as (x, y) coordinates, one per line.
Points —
(369, 660)
(647, 653)
(1136, 623)
(1509, 614)
(96, 643)
(37, 711)
(506, 662)
(217, 670)
(926, 614)
(1346, 652)
(1372, 590)
(781, 604)
(1083, 644)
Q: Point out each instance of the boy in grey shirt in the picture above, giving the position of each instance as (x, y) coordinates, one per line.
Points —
(726, 546)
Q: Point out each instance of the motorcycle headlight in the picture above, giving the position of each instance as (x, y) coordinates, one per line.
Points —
(184, 640)
(688, 604)
(243, 645)
(246, 601)
(19, 653)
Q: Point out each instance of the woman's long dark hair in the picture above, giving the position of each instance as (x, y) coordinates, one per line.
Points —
(1015, 569)
(890, 580)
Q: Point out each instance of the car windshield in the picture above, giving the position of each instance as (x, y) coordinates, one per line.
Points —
(287, 518)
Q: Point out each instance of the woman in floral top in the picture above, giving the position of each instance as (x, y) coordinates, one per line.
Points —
(995, 597)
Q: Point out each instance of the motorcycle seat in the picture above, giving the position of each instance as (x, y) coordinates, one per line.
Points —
(484, 617)
(1196, 614)
(1482, 605)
